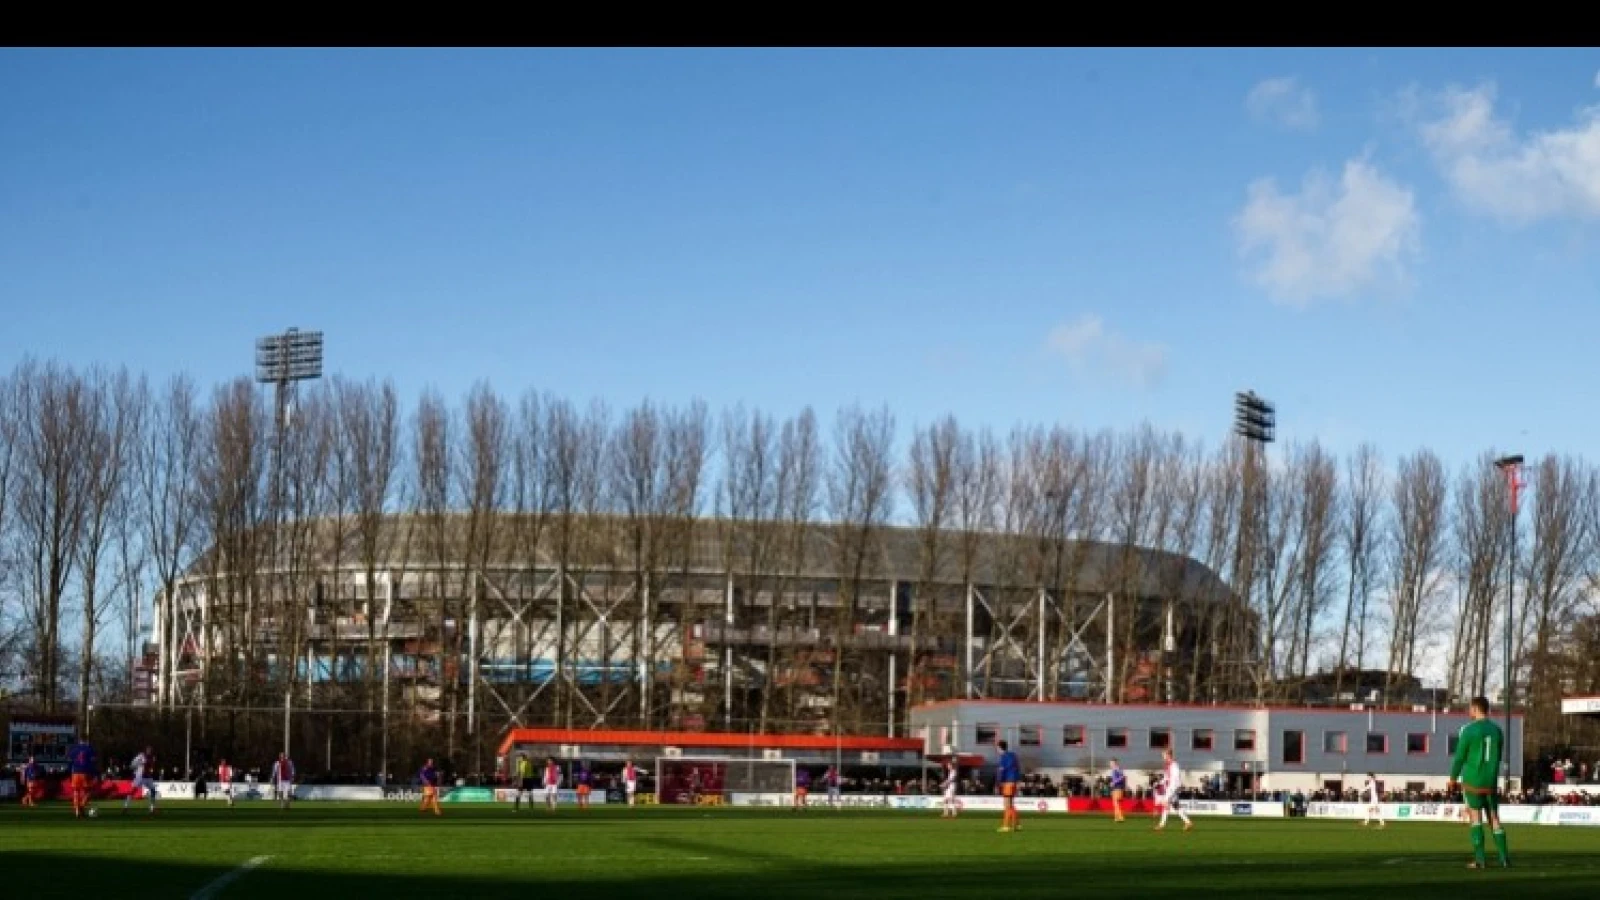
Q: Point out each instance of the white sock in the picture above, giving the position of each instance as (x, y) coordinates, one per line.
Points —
(1164, 811)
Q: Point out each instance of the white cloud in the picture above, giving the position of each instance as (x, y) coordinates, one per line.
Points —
(1516, 178)
(1331, 239)
(1284, 101)
(1089, 346)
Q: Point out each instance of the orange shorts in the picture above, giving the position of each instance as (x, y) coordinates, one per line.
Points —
(799, 792)
(428, 791)
(80, 782)
(1008, 790)
(583, 790)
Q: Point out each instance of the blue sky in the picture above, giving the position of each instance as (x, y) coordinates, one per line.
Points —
(1012, 236)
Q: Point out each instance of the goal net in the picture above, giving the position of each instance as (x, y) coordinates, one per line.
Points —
(685, 780)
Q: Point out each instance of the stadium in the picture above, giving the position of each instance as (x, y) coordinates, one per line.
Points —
(601, 621)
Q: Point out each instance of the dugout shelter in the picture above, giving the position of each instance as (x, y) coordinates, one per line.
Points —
(724, 761)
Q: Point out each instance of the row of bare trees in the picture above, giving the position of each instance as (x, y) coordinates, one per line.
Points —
(112, 489)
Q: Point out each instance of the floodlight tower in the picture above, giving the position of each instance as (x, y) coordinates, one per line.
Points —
(283, 361)
(1256, 422)
(1511, 467)
(1254, 419)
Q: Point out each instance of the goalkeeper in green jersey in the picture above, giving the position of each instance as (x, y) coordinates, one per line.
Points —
(1476, 767)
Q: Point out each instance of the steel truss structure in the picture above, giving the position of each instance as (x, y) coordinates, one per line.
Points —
(594, 638)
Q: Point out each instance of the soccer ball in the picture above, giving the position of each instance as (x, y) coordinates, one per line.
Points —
(93, 812)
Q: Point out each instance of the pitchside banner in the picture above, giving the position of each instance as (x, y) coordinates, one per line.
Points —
(184, 790)
(1570, 815)
(1414, 812)
(565, 795)
(1232, 808)
(1453, 812)
(897, 801)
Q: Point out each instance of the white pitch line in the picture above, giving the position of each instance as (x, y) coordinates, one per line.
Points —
(502, 856)
(215, 887)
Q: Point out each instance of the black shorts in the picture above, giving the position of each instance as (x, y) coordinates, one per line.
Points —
(528, 785)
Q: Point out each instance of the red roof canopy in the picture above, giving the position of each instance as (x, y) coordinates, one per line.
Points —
(698, 739)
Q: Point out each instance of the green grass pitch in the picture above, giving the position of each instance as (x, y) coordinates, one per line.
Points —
(388, 852)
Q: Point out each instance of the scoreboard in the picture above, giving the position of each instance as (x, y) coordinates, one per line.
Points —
(45, 739)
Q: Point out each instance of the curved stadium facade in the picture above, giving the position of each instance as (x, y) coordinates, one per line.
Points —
(628, 622)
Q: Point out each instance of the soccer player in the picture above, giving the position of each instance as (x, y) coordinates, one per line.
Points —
(524, 782)
(283, 780)
(949, 785)
(582, 779)
(81, 767)
(1476, 767)
(630, 780)
(30, 782)
(429, 776)
(552, 784)
(225, 780)
(802, 785)
(1119, 784)
(1167, 793)
(1010, 773)
(831, 780)
(142, 764)
(1374, 801)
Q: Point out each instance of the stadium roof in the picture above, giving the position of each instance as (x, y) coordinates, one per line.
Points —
(719, 545)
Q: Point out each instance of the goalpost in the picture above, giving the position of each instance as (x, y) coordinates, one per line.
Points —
(684, 779)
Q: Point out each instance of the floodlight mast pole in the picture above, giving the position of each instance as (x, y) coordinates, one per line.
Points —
(1511, 466)
(1256, 421)
(283, 360)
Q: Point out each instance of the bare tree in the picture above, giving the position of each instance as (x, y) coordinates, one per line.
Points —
(1564, 514)
(531, 500)
(1417, 542)
(931, 483)
(980, 479)
(1183, 478)
(167, 462)
(684, 465)
(483, 472)
(367, 458)
(1275, 570)
(132, 552)
(749, 497)
(1243, 548)
(636, 484)
(798, 488)
(9, 414)
(55, 418)
(577, 449)
(111, 406)
(860, 487)
(310, 524)
(1314, 539)
(432, 495)
(1359, 536)
(234, 492)
(1482, 528)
